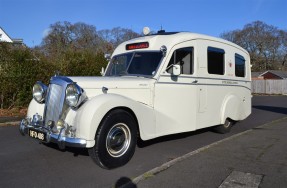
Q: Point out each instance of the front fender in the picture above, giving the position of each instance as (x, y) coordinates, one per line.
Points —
(90, 115)
(35, 107)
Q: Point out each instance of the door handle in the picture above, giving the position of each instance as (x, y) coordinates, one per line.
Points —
(195, 81)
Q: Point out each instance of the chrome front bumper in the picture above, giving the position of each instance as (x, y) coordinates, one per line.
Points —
(58, 138)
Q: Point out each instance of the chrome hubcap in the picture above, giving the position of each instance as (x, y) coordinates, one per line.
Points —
(118, 140)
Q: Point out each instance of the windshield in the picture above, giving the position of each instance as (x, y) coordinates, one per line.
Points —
(135, 63)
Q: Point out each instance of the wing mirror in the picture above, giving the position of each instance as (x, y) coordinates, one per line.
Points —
(176, 70)
(108, 57)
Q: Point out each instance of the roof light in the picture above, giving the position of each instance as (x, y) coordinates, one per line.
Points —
(146, 31)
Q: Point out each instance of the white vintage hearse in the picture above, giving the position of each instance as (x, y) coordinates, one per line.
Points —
(155, 85)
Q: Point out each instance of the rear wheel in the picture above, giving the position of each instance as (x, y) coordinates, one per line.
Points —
(224, 128)
(115, 140)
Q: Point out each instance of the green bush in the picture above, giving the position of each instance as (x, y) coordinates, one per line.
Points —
(20, 68)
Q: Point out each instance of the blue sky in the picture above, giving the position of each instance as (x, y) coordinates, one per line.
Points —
(29, 19)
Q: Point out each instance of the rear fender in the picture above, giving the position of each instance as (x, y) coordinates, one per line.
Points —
(231, 108)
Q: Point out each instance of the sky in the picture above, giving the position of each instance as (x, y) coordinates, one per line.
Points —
(31, 19)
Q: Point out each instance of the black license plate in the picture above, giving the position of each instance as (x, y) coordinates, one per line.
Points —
(37, 134)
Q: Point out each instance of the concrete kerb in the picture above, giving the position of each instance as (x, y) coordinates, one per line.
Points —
(169, 164)
(14, 123)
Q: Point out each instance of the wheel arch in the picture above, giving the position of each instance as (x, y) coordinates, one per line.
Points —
(231, 108)
(91, 114)
(127, 109)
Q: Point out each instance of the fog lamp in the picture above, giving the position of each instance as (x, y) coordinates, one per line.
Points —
(36, 119)
(60, 124)
(50, 124)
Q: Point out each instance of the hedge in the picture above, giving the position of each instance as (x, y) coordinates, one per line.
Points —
(20, 68)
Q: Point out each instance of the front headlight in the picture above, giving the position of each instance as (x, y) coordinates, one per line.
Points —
(39, 92)
(74, 95)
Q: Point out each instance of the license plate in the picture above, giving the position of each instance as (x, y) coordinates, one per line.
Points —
(37, 134)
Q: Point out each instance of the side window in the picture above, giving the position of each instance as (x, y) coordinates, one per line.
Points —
(239, 66)
(215, 61)
(184, 58)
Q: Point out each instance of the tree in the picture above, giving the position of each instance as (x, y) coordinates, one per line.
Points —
(265, 44)
(117, 35)
(73, 49)
(64, 36)
(283, 48)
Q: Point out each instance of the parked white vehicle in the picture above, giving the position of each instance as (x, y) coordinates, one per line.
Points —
(153, 86)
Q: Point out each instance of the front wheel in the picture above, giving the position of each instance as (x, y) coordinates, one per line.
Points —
(115, 140)
(224, 128)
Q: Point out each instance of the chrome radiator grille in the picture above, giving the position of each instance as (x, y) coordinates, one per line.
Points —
(54, 103)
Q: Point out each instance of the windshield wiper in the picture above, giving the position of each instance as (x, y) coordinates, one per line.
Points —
(122, 73)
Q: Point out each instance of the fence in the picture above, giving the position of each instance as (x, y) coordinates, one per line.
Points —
(269, 86)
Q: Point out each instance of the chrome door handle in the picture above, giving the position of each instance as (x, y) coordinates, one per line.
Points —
(195, 81)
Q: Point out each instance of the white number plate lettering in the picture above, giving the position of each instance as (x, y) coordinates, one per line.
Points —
(37, 135)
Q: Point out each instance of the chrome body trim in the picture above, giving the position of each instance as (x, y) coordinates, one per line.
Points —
(55, 109)
(58, 83)
(198, 84)
(44, 89)
(59, 138)
(205, 78)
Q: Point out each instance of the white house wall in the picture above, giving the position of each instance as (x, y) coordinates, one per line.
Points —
(4, 37)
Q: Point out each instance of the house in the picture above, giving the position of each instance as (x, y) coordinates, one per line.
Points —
(256, 76)
(4, 37)
(269, 75)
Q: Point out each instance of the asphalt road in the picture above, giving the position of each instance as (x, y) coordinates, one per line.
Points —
(26, 163)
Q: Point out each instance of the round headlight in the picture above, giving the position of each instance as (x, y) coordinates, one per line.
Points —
(39, 92)
(72, 95)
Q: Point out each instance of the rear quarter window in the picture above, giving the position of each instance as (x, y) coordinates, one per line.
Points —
(239, 65)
